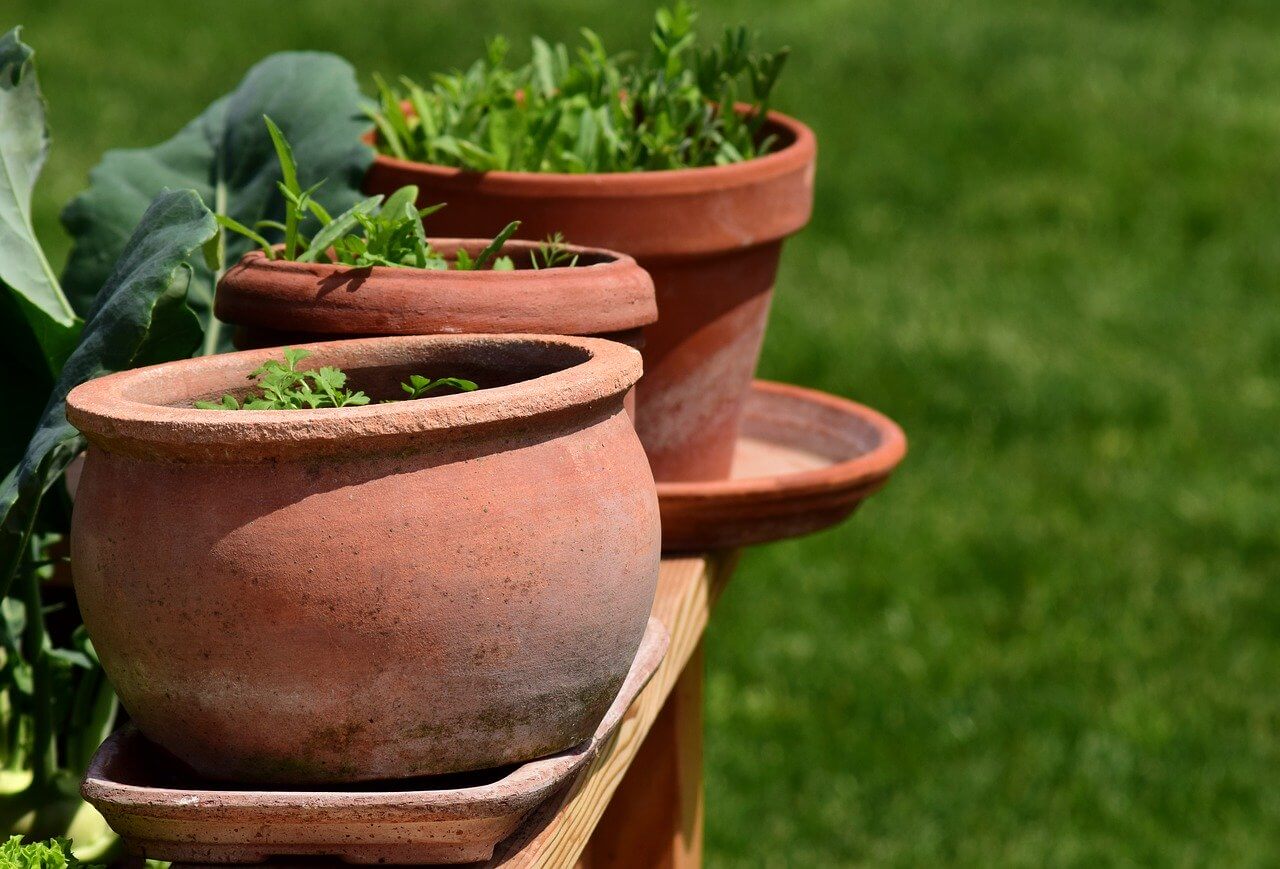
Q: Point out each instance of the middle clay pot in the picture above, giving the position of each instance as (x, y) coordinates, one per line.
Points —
(395, 590)
(274, 301)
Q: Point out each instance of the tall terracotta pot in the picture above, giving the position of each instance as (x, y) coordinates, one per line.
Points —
(710, 237)
(395, 590)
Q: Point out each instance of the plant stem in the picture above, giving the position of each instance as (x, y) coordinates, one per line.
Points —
(44, 757)
(19, 551)
(214, 330)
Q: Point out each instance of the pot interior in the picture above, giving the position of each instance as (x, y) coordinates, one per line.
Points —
(521, 253)
(816, 435)
(378, 368)
(783, 136)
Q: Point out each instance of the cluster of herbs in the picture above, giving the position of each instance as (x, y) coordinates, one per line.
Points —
(373, 232)
(51, 854)
(285, 386)
(589, 111)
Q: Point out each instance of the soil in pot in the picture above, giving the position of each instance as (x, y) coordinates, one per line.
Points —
(395, 590)
(710, 237)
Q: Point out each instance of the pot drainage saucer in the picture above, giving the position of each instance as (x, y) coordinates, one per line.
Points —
(164, 812)
(804, 461)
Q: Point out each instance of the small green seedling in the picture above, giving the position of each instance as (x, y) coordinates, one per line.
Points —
(589, 111)
(373, 232)
(551, 254)
(284, 386)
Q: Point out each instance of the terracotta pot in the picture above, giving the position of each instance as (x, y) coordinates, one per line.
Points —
(605, 294)
(396, 590)
(710, 237)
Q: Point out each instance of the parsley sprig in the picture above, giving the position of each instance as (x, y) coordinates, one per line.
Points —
(285, 386)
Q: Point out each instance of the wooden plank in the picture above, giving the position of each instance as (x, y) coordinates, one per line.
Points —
(558, 833)
(654, 820)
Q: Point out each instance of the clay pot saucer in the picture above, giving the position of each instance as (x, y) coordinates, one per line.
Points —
(164, 812)
(804, 461)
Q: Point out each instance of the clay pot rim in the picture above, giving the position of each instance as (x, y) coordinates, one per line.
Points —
(873, 466)
(111, 410)
(613, 295)
(793, 156)
(616, 261)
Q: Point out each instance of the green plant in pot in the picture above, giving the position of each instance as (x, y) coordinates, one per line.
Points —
(373, 232)
(394, 280)
(284, 385)
(673, 157)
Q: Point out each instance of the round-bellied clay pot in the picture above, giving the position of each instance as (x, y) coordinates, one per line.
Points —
(274, 301)
(395, 590)
(710, 237)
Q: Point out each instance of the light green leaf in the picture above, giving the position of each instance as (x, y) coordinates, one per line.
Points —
(24, 143)
(52, 854)
(227, 156)
(397, 201)
(495, 246)
(253, 235)
(336, 228)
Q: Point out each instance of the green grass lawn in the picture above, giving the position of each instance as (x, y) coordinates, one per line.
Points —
(1047, 242)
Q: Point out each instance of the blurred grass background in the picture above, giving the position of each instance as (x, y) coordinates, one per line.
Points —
(1046, 243)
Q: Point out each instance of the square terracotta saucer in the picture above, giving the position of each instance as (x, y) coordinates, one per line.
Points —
(163, 811)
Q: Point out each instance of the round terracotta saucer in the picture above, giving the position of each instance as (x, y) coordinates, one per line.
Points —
(165, 812)
(804, 461)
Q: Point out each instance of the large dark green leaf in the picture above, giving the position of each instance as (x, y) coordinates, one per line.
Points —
(227, 157)
(27, 380)
(24, 270)
(138, 317)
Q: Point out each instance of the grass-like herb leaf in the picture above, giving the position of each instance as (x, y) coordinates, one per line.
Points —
(491, 251)
(418, 386)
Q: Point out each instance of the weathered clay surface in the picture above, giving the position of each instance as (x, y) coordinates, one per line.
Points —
(605, 293)
(710, 237)
(396, 590)
(166, 813)
(804, 461)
